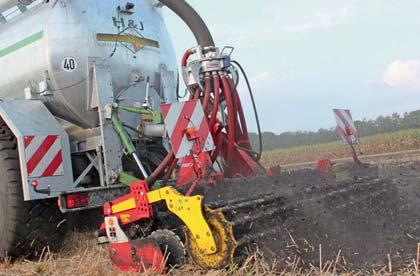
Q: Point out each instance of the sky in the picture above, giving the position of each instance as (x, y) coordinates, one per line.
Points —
(305, 58)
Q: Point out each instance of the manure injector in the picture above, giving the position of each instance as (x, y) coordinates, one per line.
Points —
(90, 118)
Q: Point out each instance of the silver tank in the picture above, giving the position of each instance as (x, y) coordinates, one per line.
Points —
(52, 43)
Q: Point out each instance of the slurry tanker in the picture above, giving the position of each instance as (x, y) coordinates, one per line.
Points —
(92, 117)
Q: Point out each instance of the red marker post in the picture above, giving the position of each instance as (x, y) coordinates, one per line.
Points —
(347, 130)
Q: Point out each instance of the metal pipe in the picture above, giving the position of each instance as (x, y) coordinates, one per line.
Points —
(140, 165)
(154, 130)
(8, 4)
(193, 20)
(225, 205)
(262, 214)
(250, 202)
(126, 141)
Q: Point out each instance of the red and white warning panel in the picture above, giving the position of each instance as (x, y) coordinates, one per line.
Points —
(187, 128)
(346, 127)
(43, 155)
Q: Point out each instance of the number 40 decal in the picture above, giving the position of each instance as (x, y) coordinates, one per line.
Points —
(69, 64)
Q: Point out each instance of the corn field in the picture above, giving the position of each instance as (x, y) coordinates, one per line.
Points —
(376, 144)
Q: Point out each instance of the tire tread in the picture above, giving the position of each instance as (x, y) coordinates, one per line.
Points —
(31, 225)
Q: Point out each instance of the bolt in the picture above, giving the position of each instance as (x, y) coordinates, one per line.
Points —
(197, 237)
(129, 6)
(213, 249)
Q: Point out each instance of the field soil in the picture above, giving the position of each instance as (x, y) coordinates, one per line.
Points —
(362, 217)
(366, 216)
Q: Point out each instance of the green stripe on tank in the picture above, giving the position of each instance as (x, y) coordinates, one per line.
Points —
(20, 44)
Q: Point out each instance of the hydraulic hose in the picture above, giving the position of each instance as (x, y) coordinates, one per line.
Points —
(207, 92)
(244, 127)
(197, 94)
(251, 94)
(238, 129)
(161, 168)
(216, 101)
(193, 20)
(239, 109)
(231, 119)
(170, 169)
(185, 58)
(216, 151)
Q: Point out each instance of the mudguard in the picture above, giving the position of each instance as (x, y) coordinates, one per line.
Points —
(44, 148)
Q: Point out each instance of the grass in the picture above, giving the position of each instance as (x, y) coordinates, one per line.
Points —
(82, 256)
(383, 143)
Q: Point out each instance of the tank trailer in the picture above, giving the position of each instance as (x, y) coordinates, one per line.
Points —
(91, 117)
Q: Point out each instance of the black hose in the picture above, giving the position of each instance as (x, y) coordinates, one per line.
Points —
(251, 94)
(131, 128)
(192, 19)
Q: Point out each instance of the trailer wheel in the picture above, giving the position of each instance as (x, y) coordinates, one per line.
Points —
(172, 246)
(26, 228)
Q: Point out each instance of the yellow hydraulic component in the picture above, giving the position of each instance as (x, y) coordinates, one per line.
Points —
(189, 210)
(124, 206)
(222, 232)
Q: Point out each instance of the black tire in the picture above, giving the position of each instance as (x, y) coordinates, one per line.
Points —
(172, 246)
(26, 228)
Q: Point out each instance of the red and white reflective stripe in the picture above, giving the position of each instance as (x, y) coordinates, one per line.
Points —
(181, 116)
(43, 156)
(345, 123)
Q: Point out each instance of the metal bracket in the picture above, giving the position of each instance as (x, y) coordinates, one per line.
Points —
(168, 83)
(22, 8)
(102, 90)
(190, 211)
(93, 163)
(2, 19)
(100, 167)
(113, 230)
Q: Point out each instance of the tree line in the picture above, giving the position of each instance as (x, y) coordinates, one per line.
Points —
(382, 124)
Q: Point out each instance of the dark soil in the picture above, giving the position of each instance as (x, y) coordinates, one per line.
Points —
(366, 215)
(361, 214)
